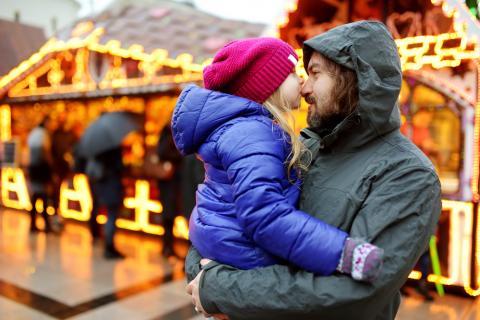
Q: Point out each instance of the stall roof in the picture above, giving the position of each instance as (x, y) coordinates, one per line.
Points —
(17, 42)
(175, 27)
(171, 34)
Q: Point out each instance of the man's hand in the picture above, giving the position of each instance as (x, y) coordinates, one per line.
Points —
(193, 289)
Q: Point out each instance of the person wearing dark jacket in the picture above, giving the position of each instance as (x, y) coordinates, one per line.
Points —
(40, 170)
(177, 189)
(105, 176)
(366, 179)
(62, 142)
(193, 174)
(170, 187)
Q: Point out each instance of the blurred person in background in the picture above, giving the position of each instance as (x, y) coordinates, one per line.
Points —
(170, 187)
(63, 141)
(193, 173)
(177, 181)
(40, 170)
(105, 176)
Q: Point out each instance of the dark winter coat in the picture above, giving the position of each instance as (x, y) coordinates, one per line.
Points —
(366, 179)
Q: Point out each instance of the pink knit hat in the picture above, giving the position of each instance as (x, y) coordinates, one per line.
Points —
(251, 68)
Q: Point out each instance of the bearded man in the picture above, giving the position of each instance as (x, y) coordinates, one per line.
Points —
(365, 178)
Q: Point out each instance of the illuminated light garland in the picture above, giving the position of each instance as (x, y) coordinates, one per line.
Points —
(463, 20)
(101, 219)
(180, 227)
(475, 181)
(413, 51)
(476, 142)
(28, 86)
(80, 193)
(461, 226)
(50, 210)
(55, 75)
(447, 10)
(83, 28)
(13, 181)
(417, 275)
(5, 123)
(290, 6)
(143, 205)
(468, 289)
(51, 46)
(39, 205)
(116, 76)
(81, 80)
(149, 64)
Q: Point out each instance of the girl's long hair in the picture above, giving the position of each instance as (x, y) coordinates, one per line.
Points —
(281, 111)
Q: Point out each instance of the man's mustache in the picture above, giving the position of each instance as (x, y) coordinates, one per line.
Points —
(310, 99)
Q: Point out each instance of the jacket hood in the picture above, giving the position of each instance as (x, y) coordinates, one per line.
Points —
(200, 111)
(367, 48)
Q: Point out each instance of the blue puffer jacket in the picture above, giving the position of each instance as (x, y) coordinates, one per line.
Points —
(245, 214)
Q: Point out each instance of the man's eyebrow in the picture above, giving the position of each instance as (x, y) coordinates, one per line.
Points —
(314, 65)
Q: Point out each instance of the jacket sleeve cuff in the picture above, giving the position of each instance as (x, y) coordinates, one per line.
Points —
(208, 305)
(192, 264)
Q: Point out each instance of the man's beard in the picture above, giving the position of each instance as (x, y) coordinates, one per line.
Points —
(323, 115)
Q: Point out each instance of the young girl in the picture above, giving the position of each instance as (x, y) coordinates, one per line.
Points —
(245, 214)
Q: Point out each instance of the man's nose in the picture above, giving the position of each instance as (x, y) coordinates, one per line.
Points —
(306, 88)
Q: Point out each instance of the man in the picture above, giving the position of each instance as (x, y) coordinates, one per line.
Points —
(178, 188)
(365, 178)
(105, 175)
(169, 187)
(63, 140)
(40, 170)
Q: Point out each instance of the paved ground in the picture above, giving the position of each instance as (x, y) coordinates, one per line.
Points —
(65, 277)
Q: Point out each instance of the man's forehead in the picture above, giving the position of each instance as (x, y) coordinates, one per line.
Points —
(315, 60)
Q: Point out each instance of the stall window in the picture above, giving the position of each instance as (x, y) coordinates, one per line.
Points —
(433, 123)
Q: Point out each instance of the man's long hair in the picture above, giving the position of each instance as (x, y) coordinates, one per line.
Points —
(345, 90)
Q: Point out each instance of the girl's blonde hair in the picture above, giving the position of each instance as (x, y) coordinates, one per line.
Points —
(282, 113)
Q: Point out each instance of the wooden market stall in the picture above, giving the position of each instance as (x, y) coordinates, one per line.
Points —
(133, 58)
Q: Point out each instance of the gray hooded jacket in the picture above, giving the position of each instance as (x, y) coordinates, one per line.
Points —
(367, 179)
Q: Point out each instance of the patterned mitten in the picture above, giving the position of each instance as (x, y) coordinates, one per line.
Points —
(361, 259)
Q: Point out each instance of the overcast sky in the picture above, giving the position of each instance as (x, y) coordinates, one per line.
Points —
(264, 11)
